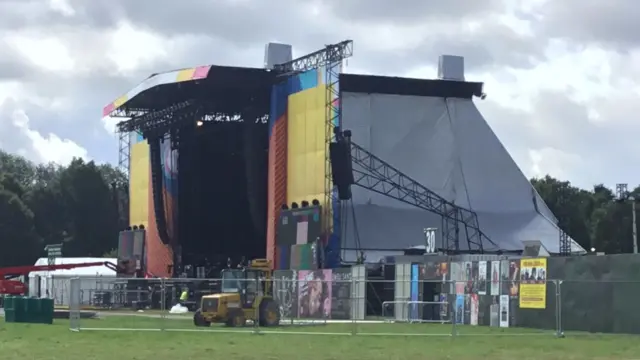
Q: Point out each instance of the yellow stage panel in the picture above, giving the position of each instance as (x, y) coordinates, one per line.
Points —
(139, 182)
(306, 145)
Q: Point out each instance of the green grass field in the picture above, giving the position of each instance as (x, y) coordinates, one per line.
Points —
(20, 341)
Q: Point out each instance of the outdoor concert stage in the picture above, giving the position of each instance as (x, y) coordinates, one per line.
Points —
(248, 140)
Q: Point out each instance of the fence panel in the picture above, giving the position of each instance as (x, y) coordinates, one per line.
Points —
(600, 306)
(323, 302)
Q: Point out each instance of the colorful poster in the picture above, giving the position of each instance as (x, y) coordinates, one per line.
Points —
(514, 277)
(495, 278)
(482, 278)
(533, 283)
(314, 294)
(474, 309)
(443, 306)
(467, 309)
(472, 284)
(285, 291)
(458, 278)
(468, 272)
(341, 294)
(444, 270)
(504, 311)
(468, 277)
(459, 309)
(415, 290)
(505, 281)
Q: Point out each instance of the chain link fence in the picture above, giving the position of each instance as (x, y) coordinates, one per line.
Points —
(320, 302)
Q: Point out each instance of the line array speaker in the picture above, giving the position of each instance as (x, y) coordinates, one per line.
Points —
(341, 170)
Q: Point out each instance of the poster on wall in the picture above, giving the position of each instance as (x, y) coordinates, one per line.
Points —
(495, 278)
(443, 306)
(285, 291)
(459, 309)
(433, 271)
(482, 278)
(533, 283)
(467, 309)
(468, 277)
(505, 281)
(514, 278)
(474, 309)
(472, 284)
(314, 294)
(458, 278)
(415, 291)
(504, 311)
(341, 294)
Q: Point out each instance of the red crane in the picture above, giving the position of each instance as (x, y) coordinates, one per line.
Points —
(16, 287)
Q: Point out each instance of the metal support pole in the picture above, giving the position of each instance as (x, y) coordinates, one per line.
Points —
(559, 331)
(635, 229)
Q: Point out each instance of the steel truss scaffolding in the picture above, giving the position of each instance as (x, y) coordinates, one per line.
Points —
(331, 58)
(372, 173)
(124, 138)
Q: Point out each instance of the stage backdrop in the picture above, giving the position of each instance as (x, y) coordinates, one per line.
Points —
(158, 255)
(297, 150)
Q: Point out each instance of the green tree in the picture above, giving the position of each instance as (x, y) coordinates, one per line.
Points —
(93, 215)
(18, 239)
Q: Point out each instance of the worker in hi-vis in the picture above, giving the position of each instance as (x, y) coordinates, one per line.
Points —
(184, 296)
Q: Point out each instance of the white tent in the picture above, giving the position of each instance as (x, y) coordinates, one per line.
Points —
(56, 283)
(446, 145)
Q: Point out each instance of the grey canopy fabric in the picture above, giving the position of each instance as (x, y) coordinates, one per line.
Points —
(447, 146)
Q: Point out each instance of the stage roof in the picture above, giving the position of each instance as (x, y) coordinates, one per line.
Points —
(160, 90)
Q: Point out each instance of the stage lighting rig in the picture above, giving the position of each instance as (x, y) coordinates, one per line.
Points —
(159, 120)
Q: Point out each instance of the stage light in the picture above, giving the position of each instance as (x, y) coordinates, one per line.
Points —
(141, 227)
(128, 228)
(135, 227)
(305, 203)
(315, 202)
(199, 123)
(285, 207)
(294, 205)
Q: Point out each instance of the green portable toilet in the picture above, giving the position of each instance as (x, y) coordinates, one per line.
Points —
(9, 309)
(46, 311)
(19, 309)
(32, 310)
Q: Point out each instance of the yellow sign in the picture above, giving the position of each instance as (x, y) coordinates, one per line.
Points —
(533, 283)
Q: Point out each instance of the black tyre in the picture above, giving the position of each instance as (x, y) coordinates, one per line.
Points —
(235, 318)
(269, 313)
(199, 321)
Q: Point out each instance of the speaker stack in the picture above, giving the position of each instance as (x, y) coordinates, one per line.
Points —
(341, 169)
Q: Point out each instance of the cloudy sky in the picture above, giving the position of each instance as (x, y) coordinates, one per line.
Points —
(562, 77)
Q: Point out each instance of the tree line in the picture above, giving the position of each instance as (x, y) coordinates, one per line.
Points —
(596, 218)
(84, 205)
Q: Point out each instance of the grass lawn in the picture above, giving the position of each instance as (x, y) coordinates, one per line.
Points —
(56, 342)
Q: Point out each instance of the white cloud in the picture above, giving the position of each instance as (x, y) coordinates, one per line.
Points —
(63, 7)
(110, 123)
(130, 48)
(553, 161)
(17, 135)
(47, 52)
(49, 147)
(553, 103)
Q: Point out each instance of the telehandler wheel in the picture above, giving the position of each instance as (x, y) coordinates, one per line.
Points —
(235, 318)
(199, 321)
(269, 313)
